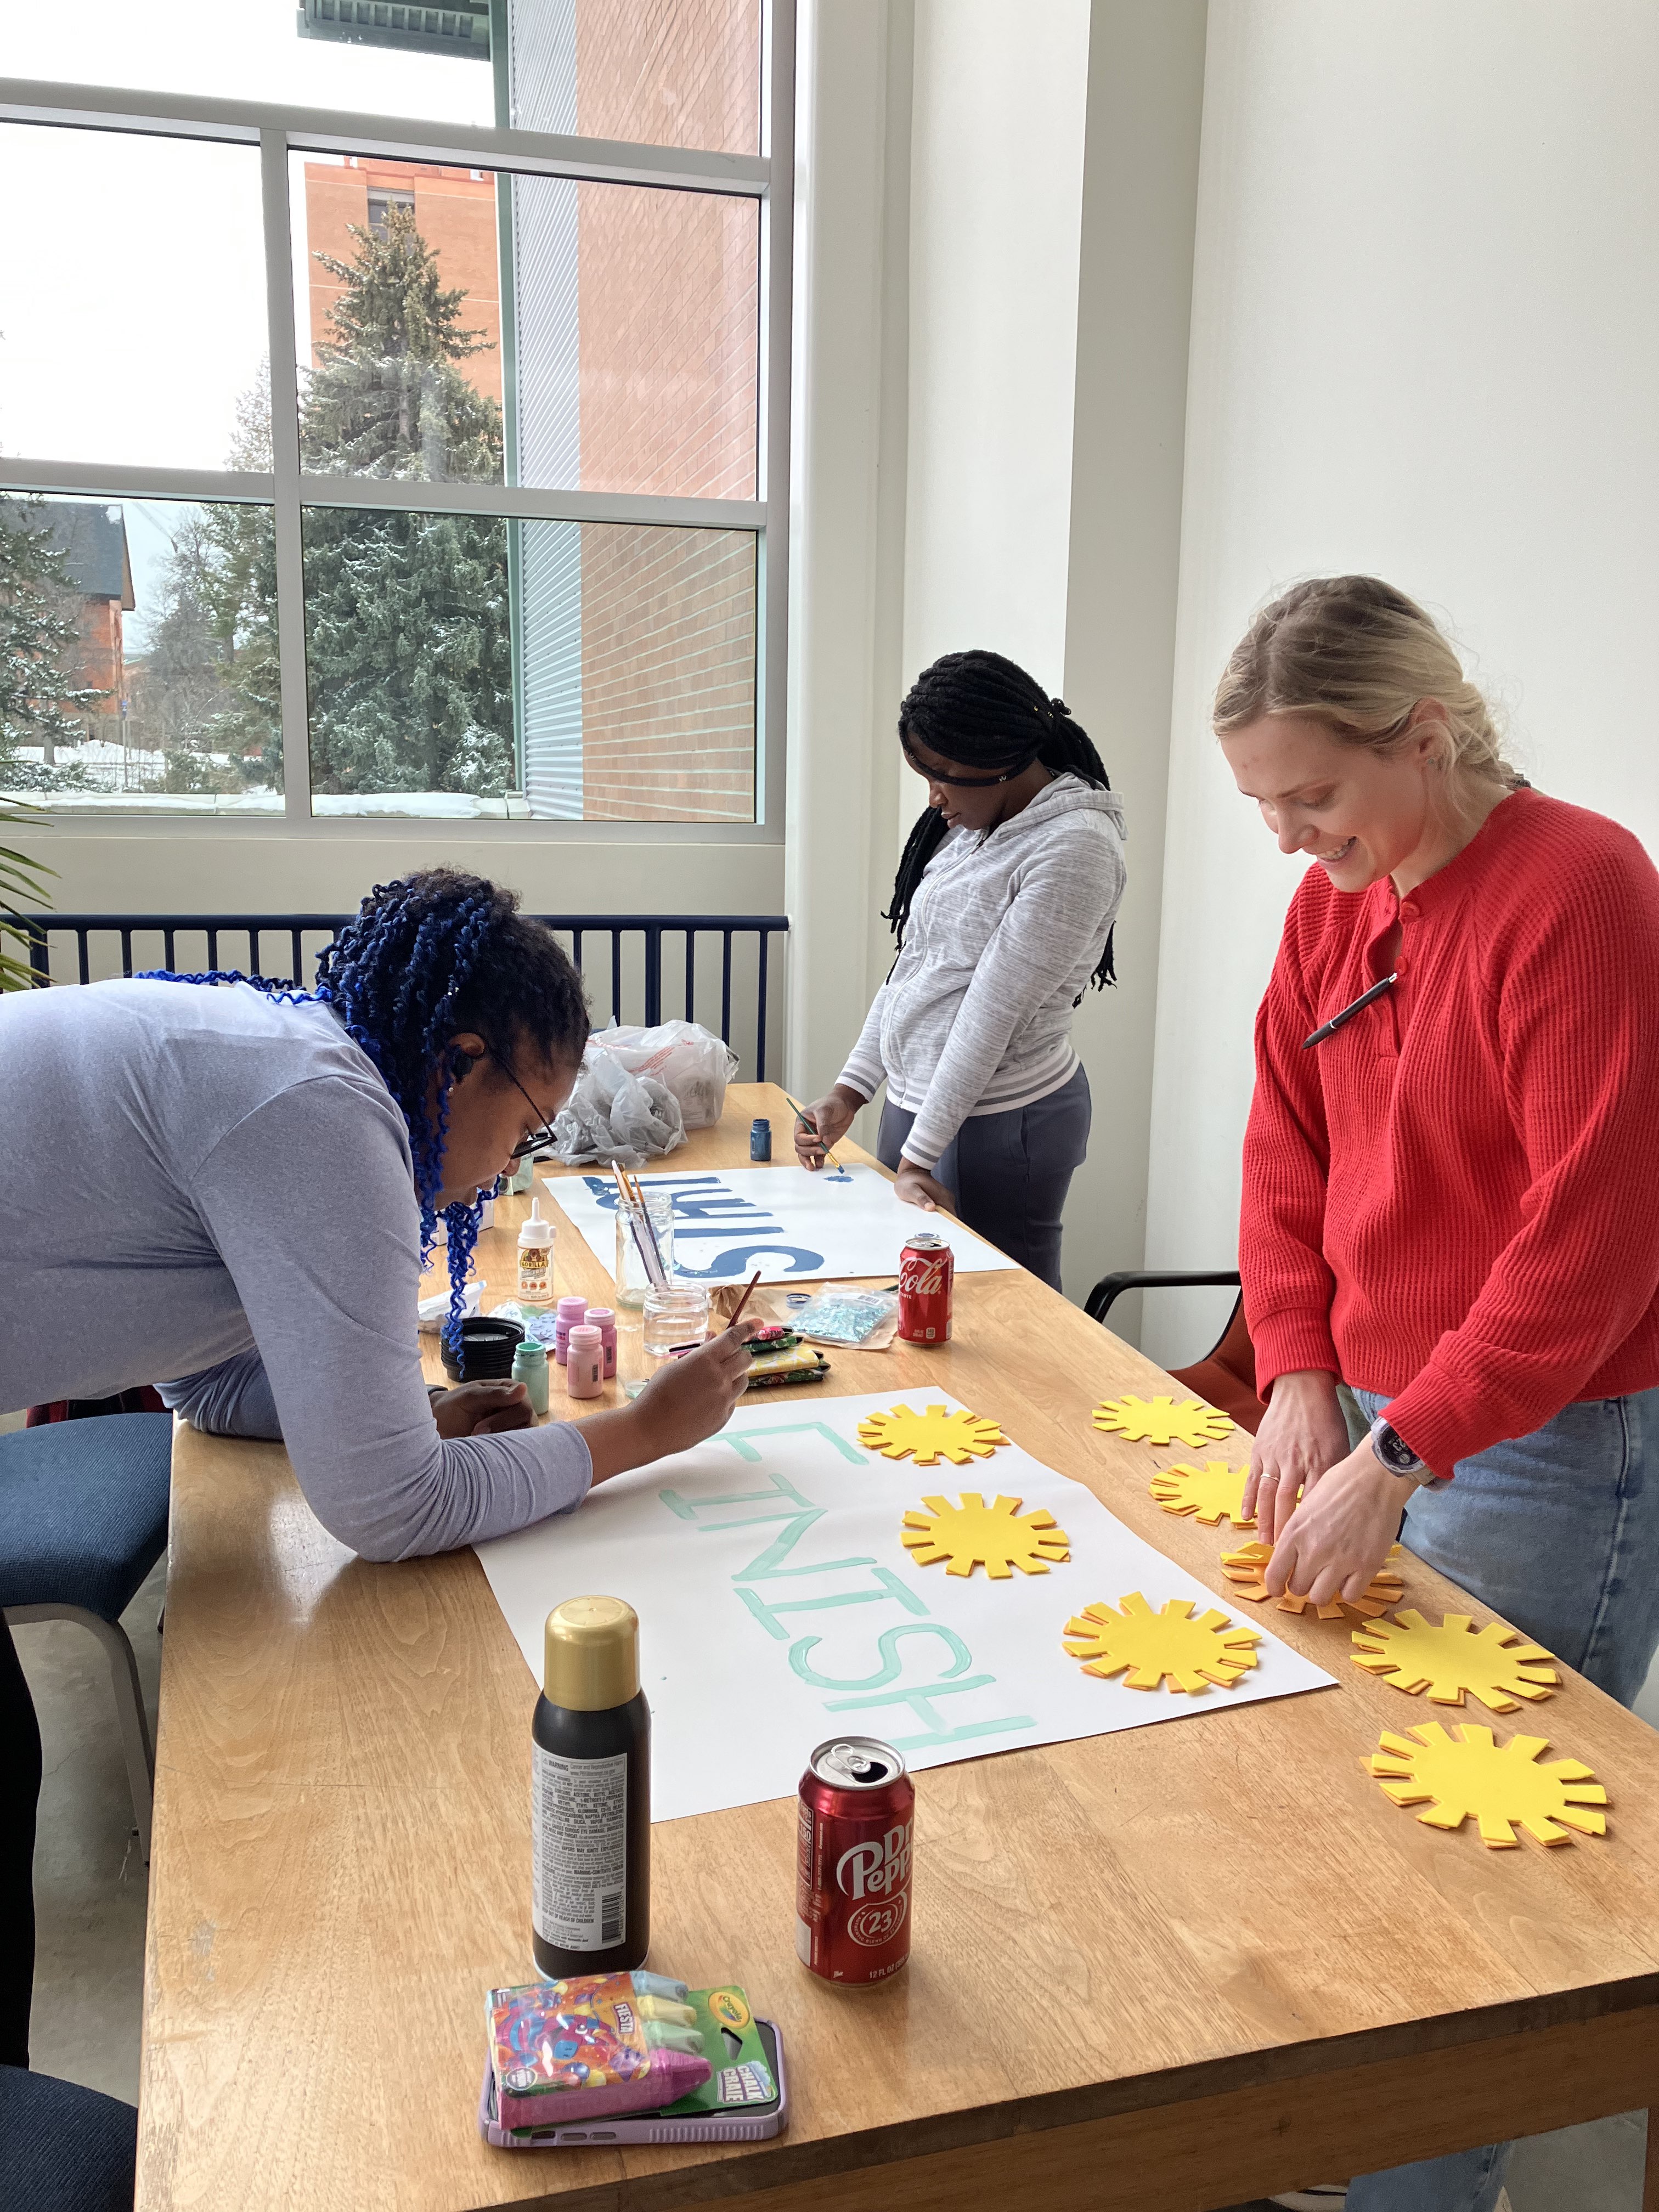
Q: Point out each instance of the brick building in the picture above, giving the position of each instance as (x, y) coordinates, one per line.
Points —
(92, 536)
(454, 211)
(631, 365)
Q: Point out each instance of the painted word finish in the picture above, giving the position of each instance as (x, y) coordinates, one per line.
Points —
(780, 1586)
(708, 1214)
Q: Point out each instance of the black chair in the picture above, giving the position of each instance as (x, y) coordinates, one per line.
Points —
(1226, 1376)
(63, 2148)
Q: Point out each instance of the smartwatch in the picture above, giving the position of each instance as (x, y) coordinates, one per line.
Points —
(1397, 1456)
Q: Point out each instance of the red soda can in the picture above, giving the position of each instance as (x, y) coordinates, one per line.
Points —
(927, 1266)
(853, 1862)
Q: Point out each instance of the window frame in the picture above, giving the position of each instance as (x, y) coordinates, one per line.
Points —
(280, 133)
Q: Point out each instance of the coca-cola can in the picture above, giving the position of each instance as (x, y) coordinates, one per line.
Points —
(927, 1267)
(853, 1862)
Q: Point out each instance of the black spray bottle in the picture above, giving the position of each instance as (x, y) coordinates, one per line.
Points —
(590, 1795)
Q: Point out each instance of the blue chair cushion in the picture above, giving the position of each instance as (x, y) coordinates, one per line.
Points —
(63, 2148)
(83, 1511)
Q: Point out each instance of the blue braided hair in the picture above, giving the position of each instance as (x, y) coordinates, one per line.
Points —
(428, 955)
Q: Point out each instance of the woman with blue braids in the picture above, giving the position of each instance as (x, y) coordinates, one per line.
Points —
(233, 1187)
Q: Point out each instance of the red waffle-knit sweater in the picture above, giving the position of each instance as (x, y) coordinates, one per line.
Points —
(1455, 1201)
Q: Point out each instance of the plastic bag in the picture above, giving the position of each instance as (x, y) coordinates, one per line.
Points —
(614, 1115)
(692, 1061)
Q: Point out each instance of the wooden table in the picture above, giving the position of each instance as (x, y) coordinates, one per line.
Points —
(1171, 1968)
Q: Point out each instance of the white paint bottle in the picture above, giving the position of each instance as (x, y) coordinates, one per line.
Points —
(536, 1255)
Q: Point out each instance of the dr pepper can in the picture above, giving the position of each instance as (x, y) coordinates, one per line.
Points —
(926, 1267)
(853, 1862)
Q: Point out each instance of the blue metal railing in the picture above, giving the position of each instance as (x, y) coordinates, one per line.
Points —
(630, 971)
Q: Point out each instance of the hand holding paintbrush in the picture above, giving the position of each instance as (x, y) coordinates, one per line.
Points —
(819, 1128)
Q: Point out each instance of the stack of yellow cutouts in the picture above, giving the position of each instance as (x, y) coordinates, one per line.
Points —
(1501, 1787)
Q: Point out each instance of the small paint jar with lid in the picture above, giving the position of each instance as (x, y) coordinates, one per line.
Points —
(583, 1368)
(604, 1319)
(530, 1368)
(571, 1313)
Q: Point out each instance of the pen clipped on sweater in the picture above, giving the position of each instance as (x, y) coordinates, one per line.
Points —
(1347, 1014)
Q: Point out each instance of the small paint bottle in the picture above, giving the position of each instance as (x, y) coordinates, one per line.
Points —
(604, 1319)
(571, 1312)
(530, 1368)
(760, 1140)
(536, 1255)
(591, 1794)
(584, 1367)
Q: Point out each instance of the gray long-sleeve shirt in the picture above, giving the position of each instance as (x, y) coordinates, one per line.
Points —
(1005, 930)
(211, 1191)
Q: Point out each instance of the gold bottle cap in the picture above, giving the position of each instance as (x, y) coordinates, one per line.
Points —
(592, 1655)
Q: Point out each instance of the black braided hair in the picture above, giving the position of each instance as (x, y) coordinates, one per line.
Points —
(983, 710)
(427, 957)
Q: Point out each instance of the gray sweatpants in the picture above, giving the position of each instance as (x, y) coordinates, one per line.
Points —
(1010, 1171)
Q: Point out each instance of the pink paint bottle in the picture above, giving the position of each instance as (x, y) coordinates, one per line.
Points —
(571, 1312)
(604, 1319)
(584, 1367)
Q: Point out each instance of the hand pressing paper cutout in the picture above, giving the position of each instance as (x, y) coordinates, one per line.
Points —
(1243, 1569)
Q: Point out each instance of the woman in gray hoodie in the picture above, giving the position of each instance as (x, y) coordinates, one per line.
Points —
(1003, 906)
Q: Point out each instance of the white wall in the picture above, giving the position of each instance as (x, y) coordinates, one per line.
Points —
(1425, 343)
(234, 868)
(996, 194)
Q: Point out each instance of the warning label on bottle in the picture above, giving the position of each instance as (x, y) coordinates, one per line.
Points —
(578, 1825)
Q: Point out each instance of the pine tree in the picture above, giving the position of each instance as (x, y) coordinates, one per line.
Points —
(37, 632)
(408, 639)
(385, 398)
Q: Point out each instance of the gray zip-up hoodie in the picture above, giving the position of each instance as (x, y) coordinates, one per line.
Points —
(1005, 930)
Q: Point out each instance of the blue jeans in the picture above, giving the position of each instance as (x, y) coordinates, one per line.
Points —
(1010, 1171)
(1558, 1532)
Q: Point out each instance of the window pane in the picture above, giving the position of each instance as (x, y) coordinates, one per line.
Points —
(138, 666)
(132, 298)
(663, 72)
(629, 361)
(287, 50)
(632, 652)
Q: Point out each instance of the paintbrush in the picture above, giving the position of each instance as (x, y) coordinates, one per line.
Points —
(650, 1256)
(807, 1122)
(651, 1231)
(738, 1315)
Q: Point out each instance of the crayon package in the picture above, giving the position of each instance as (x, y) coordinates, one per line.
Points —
(607, 2045)
(597, 2042)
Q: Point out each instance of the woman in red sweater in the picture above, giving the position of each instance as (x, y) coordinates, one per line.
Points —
(1449, 1230)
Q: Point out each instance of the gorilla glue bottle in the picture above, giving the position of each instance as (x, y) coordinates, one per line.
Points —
(590, 1796)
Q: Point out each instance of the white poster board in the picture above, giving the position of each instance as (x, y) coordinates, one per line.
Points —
(778, 1606)
(790, 1223)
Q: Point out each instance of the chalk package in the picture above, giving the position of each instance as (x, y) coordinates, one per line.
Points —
(604, 2044)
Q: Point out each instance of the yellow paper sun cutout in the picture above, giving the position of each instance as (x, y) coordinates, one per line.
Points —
(972, 1534)
(932, 1435)
(1162, 1421)
(1497, 1783)
(1169, 1643)
(1215, 1491)
(1493, 1665)
(1243, 1568)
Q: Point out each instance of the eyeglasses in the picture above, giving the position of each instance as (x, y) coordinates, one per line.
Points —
(970, 783)
(540, 1140)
